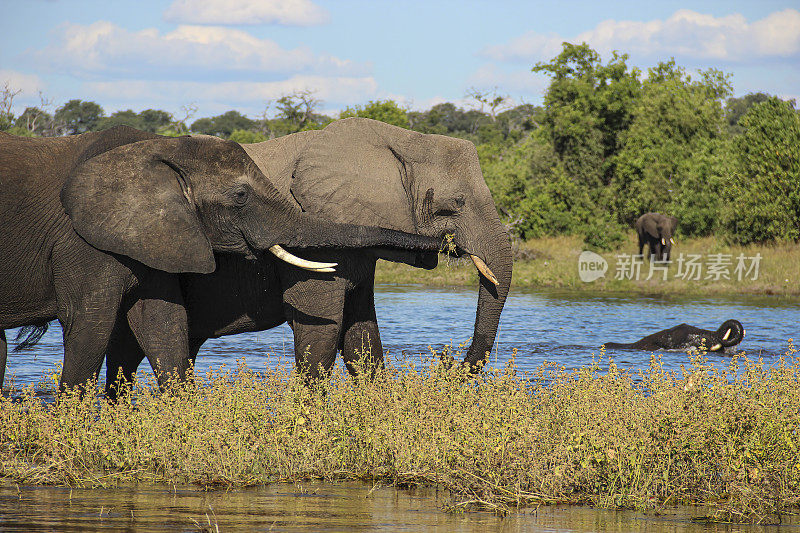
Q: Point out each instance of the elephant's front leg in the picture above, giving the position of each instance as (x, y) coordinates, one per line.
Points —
(361, 342)
(89, 294)
(314, 309)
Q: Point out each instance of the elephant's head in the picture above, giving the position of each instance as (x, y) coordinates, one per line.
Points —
(170, 203)
(730, 333)
(666, 226)
(358, 170)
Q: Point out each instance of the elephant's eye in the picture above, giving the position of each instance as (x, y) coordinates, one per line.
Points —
(452, 207)
(240, 196)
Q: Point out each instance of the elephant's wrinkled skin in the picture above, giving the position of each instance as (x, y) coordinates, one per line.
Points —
(682, 337)
(101, 225)
(356, 171)
(656, 231)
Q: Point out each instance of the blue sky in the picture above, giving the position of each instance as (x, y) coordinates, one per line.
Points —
(242, 54)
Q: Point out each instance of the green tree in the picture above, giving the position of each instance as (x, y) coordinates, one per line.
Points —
(127, 117)
(764, 187)
(448, 119)
(735, 108)
(79, 116)
(587, 107)
(7, 95)
(222, 125)
(672, 155)
(35, 120)
(247, 136)
(297, 112)
(155, 120)
(384, 110)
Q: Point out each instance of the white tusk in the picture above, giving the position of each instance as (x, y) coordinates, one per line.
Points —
(727, 334)
(716, 347)
(671, 240)
(280, 253)
(663, 242)
(483, 269)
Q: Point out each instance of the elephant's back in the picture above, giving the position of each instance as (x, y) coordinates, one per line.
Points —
(276, 158)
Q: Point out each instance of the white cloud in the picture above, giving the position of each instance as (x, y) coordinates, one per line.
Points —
(518, 81)
(27, 84)
(248, 97)
(188, 52)
(684, 34)
(286, 12)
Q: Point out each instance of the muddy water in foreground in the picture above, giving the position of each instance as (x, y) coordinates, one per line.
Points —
(347, 507)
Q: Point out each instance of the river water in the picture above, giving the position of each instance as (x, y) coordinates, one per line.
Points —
(330, 507)
(563, 327)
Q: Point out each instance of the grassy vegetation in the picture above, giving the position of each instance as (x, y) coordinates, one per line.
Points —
(552, 262)
(728, 437)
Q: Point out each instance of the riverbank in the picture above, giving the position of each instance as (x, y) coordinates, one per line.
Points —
(727, 437)
(708, 267)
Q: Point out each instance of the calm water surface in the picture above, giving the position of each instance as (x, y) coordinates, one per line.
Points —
(345, 507)
(562, 327)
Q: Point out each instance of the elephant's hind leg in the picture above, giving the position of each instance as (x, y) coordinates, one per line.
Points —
(122, 359)
(159, 322)
(3, 357)
(361, 341)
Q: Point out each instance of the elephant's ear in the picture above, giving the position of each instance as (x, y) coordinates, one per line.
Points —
(673, 225)
(136, 201)
(356, 170)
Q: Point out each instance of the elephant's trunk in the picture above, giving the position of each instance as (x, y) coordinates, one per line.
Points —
(493, 248)
(302, 230)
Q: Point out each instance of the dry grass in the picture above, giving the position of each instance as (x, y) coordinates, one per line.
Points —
(729, 437)
(552, 262)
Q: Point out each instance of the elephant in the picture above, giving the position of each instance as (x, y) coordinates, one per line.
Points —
(684, 336)
(101, 226)
(656, 230)
(355, 170)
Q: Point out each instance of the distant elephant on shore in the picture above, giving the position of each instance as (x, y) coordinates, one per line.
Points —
(656, 231)
(684, 336)
(100, 226)
(354, 171)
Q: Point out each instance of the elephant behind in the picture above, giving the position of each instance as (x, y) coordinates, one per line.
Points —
(656, 231)
(101, 226)
(354, 170)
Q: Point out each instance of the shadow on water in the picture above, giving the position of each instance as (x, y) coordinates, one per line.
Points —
(304, 507)
(555, 326)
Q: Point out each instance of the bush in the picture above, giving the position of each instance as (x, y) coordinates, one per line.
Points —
(726, 437)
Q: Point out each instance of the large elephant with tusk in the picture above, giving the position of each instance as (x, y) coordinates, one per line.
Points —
(656, 231)
(355, 171)
(99, 230)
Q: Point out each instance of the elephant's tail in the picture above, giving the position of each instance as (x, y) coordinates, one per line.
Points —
(33, 333)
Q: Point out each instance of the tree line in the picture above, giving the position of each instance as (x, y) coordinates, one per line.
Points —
(609, 143)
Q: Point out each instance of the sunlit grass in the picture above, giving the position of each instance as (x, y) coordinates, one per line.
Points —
(552, 262)
(728, 437)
